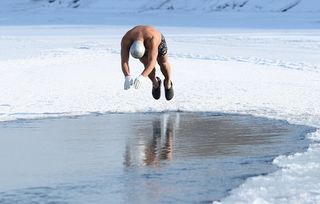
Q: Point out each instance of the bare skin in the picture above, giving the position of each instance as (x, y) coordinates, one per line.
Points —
(151, 39)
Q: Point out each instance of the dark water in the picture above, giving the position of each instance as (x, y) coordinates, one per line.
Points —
(139, 158)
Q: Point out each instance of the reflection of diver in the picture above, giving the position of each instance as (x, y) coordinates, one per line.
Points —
(160, 146)
(167, 148)
(156, 148)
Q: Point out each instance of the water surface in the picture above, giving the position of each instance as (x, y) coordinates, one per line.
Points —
(139, 158)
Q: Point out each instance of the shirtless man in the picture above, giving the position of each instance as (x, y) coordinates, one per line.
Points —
(149, 46)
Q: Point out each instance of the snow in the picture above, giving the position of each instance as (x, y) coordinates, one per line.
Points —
(63, 62)
(227, 5)
(173, 5)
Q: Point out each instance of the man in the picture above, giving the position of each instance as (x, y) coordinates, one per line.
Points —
(149, 46)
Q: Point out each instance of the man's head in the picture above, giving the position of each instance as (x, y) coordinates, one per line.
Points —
(137, 49)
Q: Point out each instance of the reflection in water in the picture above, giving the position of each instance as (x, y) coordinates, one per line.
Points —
(157, 146)
(193, 158)
(139, 158)
(198, 136)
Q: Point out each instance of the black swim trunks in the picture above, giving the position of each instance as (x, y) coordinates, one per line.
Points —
(162, 49)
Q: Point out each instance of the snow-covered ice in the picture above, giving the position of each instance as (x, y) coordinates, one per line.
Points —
(76, 70)
(264, 64)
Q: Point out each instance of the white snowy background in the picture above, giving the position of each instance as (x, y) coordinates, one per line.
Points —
(258, 57)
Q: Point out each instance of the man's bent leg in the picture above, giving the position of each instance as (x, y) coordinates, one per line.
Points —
(156, 81)
(152, 75)
(165, 69)
(153, 78)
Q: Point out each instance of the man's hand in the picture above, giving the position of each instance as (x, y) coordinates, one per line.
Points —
(139, 81)
(128, 81)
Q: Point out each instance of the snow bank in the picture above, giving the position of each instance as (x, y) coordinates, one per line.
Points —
(263, 73)
(172, 5)
(298, 180)
(234, 5)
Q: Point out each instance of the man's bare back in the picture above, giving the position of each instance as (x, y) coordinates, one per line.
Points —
(147, 34)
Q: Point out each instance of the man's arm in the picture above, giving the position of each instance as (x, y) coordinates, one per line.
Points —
(152, 58)
(128, 81)
(125, 57)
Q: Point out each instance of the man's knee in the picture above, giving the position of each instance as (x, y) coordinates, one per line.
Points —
(163, 61)
(165, 65)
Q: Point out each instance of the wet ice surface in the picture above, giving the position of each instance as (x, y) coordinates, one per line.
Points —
(139, 158)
